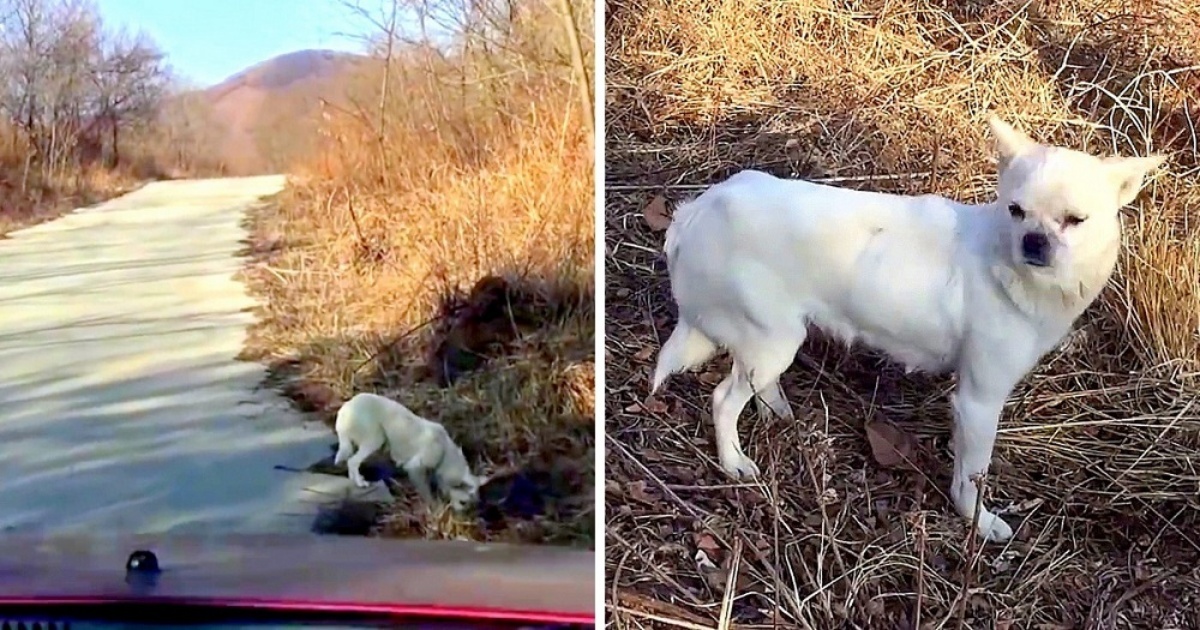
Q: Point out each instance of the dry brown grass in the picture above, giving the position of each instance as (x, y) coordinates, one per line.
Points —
(28, 196)
(364, 253)
(1097, 450)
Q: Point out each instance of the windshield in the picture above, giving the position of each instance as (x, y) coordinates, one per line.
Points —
(64, 622)
(84, 624)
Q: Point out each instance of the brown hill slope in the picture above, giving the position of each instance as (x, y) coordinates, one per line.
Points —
(270, 110)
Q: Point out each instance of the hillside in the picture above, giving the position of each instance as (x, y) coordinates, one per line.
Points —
(269, 111)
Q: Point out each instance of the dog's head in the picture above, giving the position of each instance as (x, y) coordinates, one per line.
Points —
(1063, 206)
(464, 493)
(456, 481)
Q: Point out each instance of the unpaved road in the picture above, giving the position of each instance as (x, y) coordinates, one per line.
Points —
(122, 406)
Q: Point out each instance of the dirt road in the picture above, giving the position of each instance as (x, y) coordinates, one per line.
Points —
(122, 406)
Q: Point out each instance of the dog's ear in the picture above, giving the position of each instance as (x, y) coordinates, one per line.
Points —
(1009, 142)
(1128, 172)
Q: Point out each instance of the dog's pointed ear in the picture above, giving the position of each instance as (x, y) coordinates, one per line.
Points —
(1128, 174)
(1009, 141)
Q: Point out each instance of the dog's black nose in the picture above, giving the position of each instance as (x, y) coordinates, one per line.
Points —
(1035, 248)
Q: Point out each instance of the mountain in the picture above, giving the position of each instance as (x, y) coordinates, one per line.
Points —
(270, 111)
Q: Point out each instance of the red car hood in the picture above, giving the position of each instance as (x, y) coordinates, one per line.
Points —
(308, 572)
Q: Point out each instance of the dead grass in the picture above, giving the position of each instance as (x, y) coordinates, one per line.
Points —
(365, 258)
(1096, 458)
(31, 193)
(27, 198)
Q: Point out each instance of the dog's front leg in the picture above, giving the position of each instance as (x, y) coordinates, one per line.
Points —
(771, 400)
(977, 411)
(419, 475)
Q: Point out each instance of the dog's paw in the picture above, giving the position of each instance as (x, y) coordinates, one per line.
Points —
(778, 409)
(783, 410)
(992, 528)
(360, 482)
(1073, 341)
(737, 465)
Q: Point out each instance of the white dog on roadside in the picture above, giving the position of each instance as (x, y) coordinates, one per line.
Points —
(938, 285)
(423, 448)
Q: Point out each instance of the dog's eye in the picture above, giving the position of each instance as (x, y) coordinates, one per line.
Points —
(1016, 211)
(1072, 220)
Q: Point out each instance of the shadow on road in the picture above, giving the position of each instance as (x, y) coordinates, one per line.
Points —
(125, 409)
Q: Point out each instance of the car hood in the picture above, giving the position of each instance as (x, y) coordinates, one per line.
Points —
(305, 572)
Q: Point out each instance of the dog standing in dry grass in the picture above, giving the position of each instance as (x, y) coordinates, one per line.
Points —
(421, 447)
(938, 285)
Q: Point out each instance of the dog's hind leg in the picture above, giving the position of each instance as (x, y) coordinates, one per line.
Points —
(757, 365)
(685, 349)
(345, 450)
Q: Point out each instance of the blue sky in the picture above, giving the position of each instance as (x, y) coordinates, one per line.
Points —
(209, 40)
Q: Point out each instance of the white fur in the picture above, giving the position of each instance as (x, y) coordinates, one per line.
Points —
(936, 284)
(421, 447)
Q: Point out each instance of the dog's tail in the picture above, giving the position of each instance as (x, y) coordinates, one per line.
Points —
(685, 349)
(683, 215)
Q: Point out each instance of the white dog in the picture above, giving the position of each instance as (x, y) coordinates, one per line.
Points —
(938, 285)
(421, 447)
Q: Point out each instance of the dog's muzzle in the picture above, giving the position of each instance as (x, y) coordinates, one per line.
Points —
(1035, 249)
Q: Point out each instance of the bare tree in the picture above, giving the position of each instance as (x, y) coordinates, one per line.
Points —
(129, 81)
(581, 74)
(68, 86)
(188, 135)
(385, 20)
